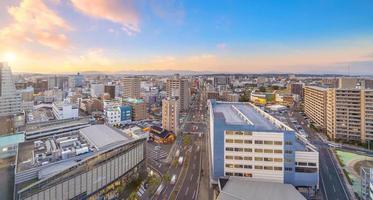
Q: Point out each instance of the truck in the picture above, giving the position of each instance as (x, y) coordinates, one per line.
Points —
(181, 160)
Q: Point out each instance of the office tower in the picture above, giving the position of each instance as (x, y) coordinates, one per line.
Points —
(349, 114)
(80, 164)
(170, 114)
(110, 89)
(347, 83)
(97, 89)
(10, 100)
(297, 89)
(139, 111)
(78, 80)
(248, 142)
(131, 87)
(177, 87)
(315, 104)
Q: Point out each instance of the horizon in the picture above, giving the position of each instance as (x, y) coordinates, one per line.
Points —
(54, 36)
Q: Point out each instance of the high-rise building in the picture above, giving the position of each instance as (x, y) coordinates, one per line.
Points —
(347, 83)
(315, 101)
(110, 89)
(131, 87)
(177, 87)
(350, 114)
(170, 114)
(97, 89)
(78, 80)
(297, 89)
(247, 142)
(10, 100)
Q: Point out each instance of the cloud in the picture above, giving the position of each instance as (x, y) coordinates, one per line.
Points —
(35, 22)
(122, 12)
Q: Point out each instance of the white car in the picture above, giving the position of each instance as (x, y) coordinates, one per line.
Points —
(173, 179)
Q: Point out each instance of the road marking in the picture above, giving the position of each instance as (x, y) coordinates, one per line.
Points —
(186, 191)
(334, 188)
(191, 177)
(194, 194)
(323, 186)
(336, 171)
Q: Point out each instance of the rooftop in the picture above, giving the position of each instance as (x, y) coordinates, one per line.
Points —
(245, 116)
(133, 100)
(240, 189)
(101, 136)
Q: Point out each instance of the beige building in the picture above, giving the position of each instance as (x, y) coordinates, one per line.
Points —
(347, 83)
(131, 87)
(350, 114)
(138, 108)
(170, 114)
(177, 87)
(315, 99)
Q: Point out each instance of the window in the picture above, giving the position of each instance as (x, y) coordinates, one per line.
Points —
(278, 142)
(229, 165)
(277, 151)
(248, 166)
(288, 169)
(258, 150)
(288, 151)
(277, 159)
(238, 158)
(305, 169)
(248, 158)
(238, 166)
(229, 149)
(238, 149)
(248, 141)
(312, 164)
(258, 159)
(268, 159)
(229, 140)
(302, 163)
(288, 143)
(277, 168)
(228, 173)
(229, 157)
(238, 133)
(248, 150)
(268, 142)
(258, 167)
(258, 141)
(238, 141)
(248, 133)
(247, 175)
(238, 174)
(268, 168)
(229, 132)
(268, 150)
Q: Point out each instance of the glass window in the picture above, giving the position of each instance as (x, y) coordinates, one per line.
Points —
(277, 151)
(229, 140)
(248, 158)
(238, 158)
(248, 166)
(229, 157)
(277, 168)
(288, 143)
(277, 159)
(238, 141)
(238, 166)
(258, 159)
(248, 141)
(268, 168)
(248, 150)
(268, 150)
(268, 159)
(268, 142)
(258, 167)
(258, 150)
(258, 141)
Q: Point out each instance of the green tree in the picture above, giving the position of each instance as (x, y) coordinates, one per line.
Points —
(186, 140)
(167, 177)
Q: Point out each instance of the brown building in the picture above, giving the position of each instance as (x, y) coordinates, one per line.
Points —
(131, 87)
(315, 99)
(110, 89)
(177, 87)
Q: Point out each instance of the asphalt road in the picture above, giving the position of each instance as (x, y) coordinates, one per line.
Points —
(331, 182)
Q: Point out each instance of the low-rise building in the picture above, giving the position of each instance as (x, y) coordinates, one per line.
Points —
(65, 110)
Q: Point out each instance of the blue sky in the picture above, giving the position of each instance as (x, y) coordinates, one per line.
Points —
(242, 36)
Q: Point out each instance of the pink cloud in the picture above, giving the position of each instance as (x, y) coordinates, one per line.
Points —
(33, 21)
(122, 12)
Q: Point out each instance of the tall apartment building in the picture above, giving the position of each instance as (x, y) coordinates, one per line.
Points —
(97, 89)
(297, 89)
(315, 102)
(170, 114)
(177, 87)
(249, 143)
(87, 163)
(131, 87)
(10, 100)
(350, 114)
(347, 83)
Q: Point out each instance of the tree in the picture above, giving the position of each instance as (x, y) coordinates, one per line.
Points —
(167, 177)
(186, 140)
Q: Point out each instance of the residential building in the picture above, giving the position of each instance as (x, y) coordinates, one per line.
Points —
(170, 114)
(315, 102)
(110, 89)
(113, 116)
(139, 111)
(297, 89)
(97, 89)
(125, 114)
(247, 142)
(89, 163)
(178, 87)
(366, 175)
(347, 83)
(131, 87)
(65, 110)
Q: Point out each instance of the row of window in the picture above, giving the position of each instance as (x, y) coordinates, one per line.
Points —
(258, 167)
(305, 164)
(238, 174)
(256, 158)
(277, 151)
(266, 142)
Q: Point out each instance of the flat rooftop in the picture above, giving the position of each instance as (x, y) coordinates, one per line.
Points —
(243, 115)
(101, 136)
(242, 189)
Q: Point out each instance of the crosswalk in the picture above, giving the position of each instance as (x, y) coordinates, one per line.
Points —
(155, 154)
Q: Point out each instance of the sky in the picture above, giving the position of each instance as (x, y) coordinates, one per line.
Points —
(241, 36)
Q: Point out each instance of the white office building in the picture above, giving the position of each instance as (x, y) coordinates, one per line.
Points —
(97, 89)
(10, 100)
(113, 116)
(65, 110)
(247, 142)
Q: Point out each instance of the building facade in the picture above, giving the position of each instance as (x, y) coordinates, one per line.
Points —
(65, 110)
(131, 87)
(170, 114)
(10, 100)
(178, 87)
(315, 103)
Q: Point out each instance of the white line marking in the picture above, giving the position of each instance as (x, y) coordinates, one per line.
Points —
(186, 191)
(334, 188)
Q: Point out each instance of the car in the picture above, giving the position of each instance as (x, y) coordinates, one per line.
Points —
(173, 179)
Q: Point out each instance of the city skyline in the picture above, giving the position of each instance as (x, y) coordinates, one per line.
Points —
(54, 36)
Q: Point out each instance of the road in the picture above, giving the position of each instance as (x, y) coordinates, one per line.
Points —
(332, 185)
